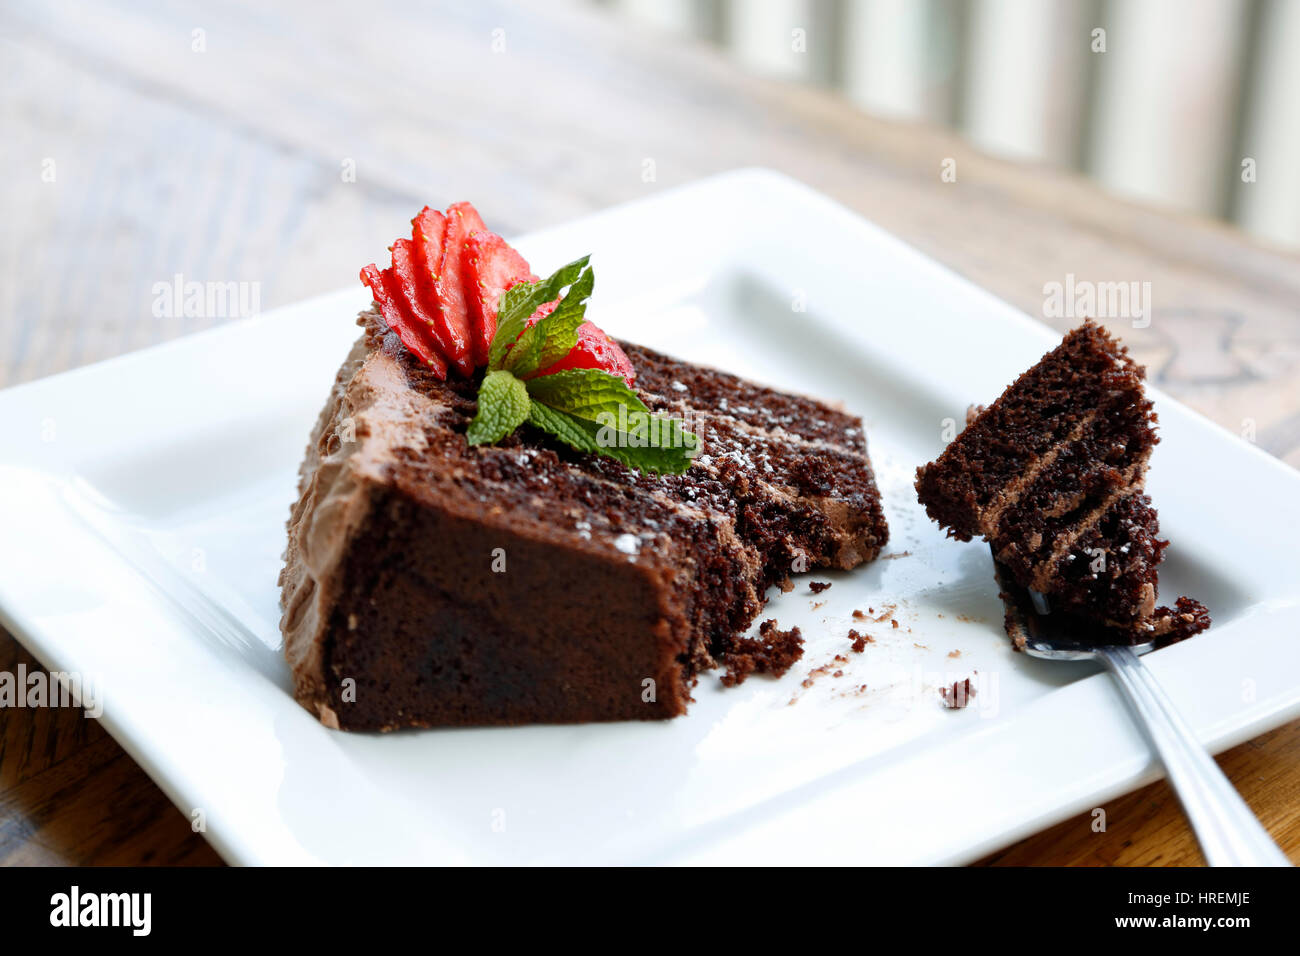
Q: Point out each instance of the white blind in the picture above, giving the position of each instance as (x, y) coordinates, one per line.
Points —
(1193, 104)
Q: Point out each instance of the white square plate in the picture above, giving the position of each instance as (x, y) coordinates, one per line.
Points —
(143, 508)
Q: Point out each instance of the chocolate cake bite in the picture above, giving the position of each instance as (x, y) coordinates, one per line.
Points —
(430, 582)
(1052, 476)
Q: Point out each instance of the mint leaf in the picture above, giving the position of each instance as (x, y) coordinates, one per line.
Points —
(585, 392)
(597, 412)
(528, 297)
(520, 301)
(570, 430)
(589, 436)
(554, 335)
(503, 405)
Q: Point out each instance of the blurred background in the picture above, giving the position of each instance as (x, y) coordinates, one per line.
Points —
(276, 144)
(1190, 104)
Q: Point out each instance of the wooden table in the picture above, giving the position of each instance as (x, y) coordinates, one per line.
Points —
(214, 143)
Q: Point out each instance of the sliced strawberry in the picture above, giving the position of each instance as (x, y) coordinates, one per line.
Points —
(449, 279)
(429, 230)
(404, 274)
(491, 267)
(595, 349)
(386, 289)
(415, 305)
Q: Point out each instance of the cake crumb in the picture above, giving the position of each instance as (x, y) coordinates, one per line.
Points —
(815, 673)
(894, 624)
(860, 641)
(886, 612)
(830, 667)
(954, 653)
(817, 587)
(957, 696)
(772, 652)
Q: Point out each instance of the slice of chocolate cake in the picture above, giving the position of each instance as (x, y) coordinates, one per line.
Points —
(1051, 475)
(429, 582)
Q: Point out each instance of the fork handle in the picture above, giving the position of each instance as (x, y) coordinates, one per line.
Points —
(1228, 831)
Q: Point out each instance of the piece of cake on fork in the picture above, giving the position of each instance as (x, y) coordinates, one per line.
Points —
(1052, 475)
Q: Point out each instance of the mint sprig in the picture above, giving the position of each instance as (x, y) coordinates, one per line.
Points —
(587, 409)
(555, 335)
(503, 406)
(595, 411)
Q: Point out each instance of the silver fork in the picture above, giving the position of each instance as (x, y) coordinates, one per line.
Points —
(1227, 830)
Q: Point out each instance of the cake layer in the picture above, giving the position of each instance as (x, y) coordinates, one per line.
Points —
(1084, 387)
(1071, 479)
(428, 583)
(1023, 621)
(1109, 570)
(1035, 542)
(780, 413)
(799, 503)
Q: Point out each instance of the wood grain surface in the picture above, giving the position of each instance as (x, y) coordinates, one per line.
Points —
(142, 141)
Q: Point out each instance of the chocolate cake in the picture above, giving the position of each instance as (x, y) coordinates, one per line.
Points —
(429, 582)
(1052, 476)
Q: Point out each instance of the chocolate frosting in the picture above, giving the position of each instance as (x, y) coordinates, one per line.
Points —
(370, 413)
